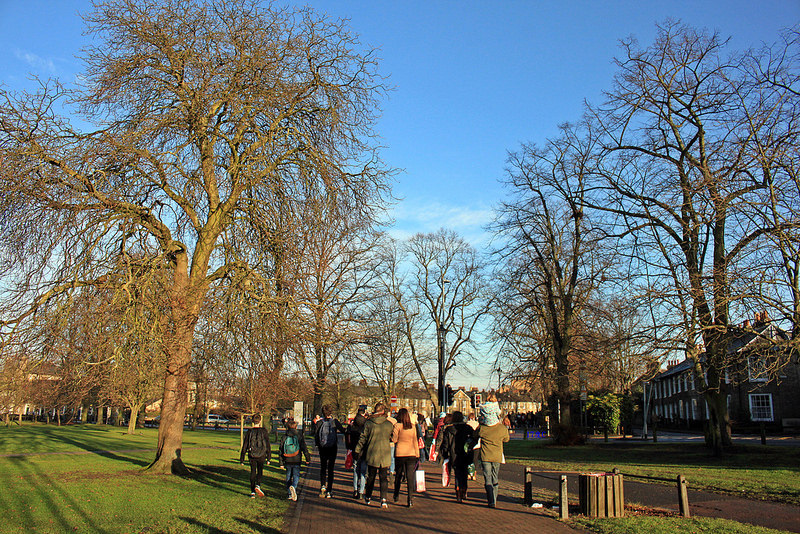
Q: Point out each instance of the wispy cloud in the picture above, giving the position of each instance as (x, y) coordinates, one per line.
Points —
(468, 221)
(38, 64)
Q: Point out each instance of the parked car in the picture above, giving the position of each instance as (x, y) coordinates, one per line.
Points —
(214, 419)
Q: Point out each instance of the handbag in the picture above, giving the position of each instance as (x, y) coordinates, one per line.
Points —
(420, 481)
(348, 460)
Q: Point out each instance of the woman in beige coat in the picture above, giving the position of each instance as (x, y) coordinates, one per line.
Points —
(406, 453)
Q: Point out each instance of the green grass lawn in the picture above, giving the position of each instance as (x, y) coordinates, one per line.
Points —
(64, 487)
(755, 472)
(668, 525)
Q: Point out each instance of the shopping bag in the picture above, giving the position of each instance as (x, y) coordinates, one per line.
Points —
(420, 481)
(446, 473)
(420, 443)
(434, 453)
(504, 459)
(348, 460)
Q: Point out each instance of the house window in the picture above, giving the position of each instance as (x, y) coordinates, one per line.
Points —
(757, 369)
(761, 407)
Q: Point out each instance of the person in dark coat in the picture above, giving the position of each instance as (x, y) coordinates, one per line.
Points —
(256, 445)
(351, 437)
(327, 439)
(374, 446)
(457, 447)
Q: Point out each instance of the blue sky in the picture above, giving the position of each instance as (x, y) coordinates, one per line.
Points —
(472, 79)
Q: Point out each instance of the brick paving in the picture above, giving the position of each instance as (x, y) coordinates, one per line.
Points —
(434, 511)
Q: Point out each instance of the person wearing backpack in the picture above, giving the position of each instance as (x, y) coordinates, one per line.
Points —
(327, 440)
(290, 453)
(256, 445)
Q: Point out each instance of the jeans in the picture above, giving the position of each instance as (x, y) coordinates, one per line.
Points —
(327, 457)
(359, 475)
(491, 472)
(383, 475)
(292, 475)
(256, 471)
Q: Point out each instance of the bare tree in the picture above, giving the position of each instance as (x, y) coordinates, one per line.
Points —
(554, 262)
(679, 175)
(448, 283)
(335, 275)
(385, 357)
(199, 106)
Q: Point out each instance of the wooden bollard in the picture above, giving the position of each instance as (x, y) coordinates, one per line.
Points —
(683, 496)
(563, 499)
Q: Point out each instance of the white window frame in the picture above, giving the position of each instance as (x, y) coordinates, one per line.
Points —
(753, 362)
(759, 417)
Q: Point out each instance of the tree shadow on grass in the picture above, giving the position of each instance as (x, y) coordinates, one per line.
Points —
(55, 499)
(204, 527)
(256, 527)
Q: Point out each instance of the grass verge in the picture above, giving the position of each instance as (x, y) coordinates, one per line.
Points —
(754, 472)
(88, 478)
(668, 525)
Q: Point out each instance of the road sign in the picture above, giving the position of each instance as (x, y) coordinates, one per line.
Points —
(393, 400)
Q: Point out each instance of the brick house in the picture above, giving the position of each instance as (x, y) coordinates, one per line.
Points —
(758, 389)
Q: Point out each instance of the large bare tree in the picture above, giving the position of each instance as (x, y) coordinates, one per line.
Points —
(448, 285)
(553, 261)
(682, 123)
(200, 110)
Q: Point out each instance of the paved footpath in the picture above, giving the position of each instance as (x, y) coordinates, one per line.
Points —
(434, 511)
(437, 511)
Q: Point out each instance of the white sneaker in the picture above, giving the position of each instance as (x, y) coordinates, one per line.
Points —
(292, 493)
(322, 491)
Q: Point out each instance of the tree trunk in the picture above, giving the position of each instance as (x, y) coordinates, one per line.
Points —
(173, 411)
(718, 433)
(319, 389)
(133, 418)
(185, 301)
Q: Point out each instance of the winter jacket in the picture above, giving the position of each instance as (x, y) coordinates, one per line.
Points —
(296, 459)
(354, 431)
(373, 445)
(246, 444)
(405, 440)
(457, 444)
(337, 427)
(492, 439)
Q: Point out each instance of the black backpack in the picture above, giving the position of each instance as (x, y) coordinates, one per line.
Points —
(327, 433)
(258, 443)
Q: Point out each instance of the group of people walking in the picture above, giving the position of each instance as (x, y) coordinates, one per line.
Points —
(379, 444)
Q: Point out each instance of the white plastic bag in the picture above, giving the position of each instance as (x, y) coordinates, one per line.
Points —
(420, 481)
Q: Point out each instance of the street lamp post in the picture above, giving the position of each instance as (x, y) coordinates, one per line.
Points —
(441, 334)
